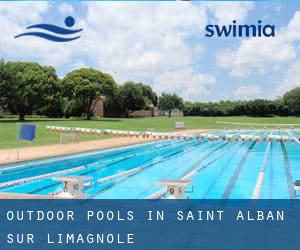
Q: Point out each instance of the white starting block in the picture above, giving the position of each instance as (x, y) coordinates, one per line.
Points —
(296, 186)
(73, 186)
(73, 137)
(179, 125)
(176, 188)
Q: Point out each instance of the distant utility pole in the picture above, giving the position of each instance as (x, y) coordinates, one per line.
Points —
(208, 92)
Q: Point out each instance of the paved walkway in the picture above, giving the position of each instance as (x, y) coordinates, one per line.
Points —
(31, 153)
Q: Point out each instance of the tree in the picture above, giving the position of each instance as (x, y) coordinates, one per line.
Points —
(292, 100)
(281, 107)
(167, 102)
(260, 107)
(84, 85)
(3, 83)
(131, 98)
(149, 94)
(26, 86)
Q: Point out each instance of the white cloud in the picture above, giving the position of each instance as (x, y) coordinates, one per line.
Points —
(226, 12)
(292, 76)
(291, 80)
(65, 8)
(188, 84)
(79, 64)
(255, 54)
(141, 38)
(23, 11)
(247, 92)
(14, 18)
(293, 28)
(198, 49)
(151, 43)
(131, 41)
(73, 66)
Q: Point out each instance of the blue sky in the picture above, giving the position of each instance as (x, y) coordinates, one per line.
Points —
(163, 44)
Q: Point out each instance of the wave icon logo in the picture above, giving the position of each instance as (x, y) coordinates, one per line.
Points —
(59, 34)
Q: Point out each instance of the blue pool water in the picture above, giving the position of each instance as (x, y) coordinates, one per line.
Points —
(221, 169)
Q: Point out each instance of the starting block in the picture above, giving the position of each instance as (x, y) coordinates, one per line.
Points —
(176, 188)
(73, 186)
(296, 186)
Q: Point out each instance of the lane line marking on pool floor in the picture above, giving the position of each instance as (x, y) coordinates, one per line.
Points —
(287, 168)
(261, 175)
(161, 192)
(197, 169)
(222, 172)
(212, 161)
(127, 158)
(236, 173)
(144, 168)
(103, 164)
(192, 171)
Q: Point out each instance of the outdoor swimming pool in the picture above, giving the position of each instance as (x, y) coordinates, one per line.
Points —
(218, 169)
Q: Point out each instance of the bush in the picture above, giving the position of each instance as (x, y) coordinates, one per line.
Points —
(258, 107)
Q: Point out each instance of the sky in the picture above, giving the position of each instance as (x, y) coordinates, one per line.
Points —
(163, 44)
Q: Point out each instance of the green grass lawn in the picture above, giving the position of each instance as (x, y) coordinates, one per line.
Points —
(9, 127)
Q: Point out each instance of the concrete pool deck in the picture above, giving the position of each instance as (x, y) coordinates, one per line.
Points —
(31, 153)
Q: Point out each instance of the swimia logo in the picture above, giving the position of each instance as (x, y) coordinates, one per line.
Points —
(52, 32)
(240, 30)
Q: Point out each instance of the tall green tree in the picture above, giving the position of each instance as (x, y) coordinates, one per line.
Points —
(167, 102)
(292, 100)
(85, 84)
(130, 97)
(149, 95)
(3, 83)
(26, 86)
